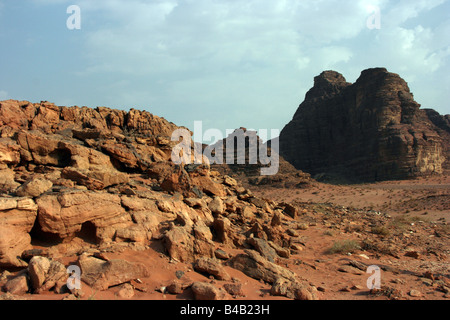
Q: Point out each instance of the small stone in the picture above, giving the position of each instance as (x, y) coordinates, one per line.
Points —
(126, 291)
(230, 181)
(234, 289)
(412, 254)
(212, 267)
(162, 289)
(292, 232)
(345, 289)
(277, 219)
(179, 274)
(349, 269)
(428, 275)
(34, 187)
(357, 287)
(444, 289)
(220, 254)
(303, 226)
(427, 282)
(175, 287)
(398, 281)
(296, 247)
(415, 293)
(216, 206)
(206, 291)
(4, 276)
(303, 294)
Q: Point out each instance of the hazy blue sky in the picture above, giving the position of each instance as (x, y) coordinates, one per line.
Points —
(230, 63)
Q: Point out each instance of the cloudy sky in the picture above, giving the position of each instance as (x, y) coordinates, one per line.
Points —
(228, 63)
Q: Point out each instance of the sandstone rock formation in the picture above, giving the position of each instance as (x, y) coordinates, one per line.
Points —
(246, 163)
(82, 182)
(442, 123)
(102, 274)
(370, 130)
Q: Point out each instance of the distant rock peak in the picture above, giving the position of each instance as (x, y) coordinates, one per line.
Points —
(331, 77)
(370, 130)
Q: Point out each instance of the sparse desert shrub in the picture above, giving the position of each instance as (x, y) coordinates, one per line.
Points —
(400, 223)
(344, 246)
(403, 223)
(380, 230)
(377, 246)
(328, 233)
(353, 228)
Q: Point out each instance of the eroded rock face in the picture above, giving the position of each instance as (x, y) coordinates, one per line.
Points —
(84, 182)
(442, 122)
(12, 243)
(370, 130)
(243, 154)
(65, 213)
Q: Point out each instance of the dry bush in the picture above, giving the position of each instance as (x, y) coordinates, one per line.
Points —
(344, 246)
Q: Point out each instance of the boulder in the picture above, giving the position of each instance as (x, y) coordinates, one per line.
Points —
(263, 247)
(18, 285)
(12, 114)
(202, 232)
(255, 266)
(12, 243)
(101, 275)
(126, 291)
(179, 244)
(133, 233)
(134, 203)
(212, 267)
(222, 227)
(206, 291)
(34, 187)
(9, 152)
(290, 210)
(7, 182)
(208, 186)
(22, 220)
(37, 269)
(293, 290)
(234, 289)
(178, 286)
(216, 206)
(64, 214)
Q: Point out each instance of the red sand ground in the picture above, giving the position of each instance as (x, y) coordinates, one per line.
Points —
(422, 204)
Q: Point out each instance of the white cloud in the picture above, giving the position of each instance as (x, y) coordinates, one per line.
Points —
(403, 10)
(186, 36)
(194, 45)
(416, 51)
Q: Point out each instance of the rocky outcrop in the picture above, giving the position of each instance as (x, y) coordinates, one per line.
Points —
(370, 130)
(254, 265)
(12, 243)
(81, 182)
(442, 123)
(101, 275)
(244, 155)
